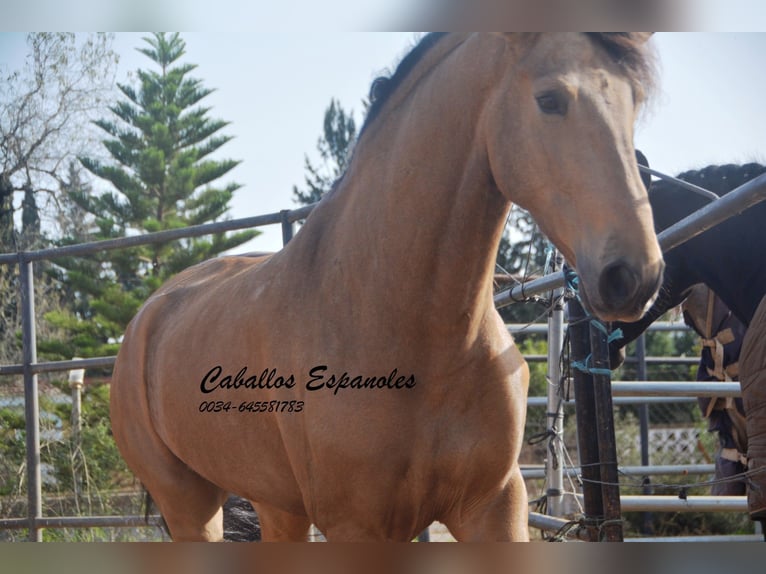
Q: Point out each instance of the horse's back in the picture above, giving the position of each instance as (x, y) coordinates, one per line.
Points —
(207, 273)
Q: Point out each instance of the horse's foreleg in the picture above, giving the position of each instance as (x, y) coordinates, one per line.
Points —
(280, 526)
(503, 518)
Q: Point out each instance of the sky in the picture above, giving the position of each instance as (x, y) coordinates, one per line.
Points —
(274, 89)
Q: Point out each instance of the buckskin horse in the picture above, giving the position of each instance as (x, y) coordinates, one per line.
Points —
(360, 379)
(729, 260)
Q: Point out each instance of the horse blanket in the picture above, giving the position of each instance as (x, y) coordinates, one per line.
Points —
(753, 381)
(722, 336)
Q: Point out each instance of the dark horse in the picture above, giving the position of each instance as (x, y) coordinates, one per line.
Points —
(728, 258)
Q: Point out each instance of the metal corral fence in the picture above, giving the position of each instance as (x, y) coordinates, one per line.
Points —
(707, 217)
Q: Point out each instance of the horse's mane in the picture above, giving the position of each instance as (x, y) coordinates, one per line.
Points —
(383, 86)
(628, 49)
(720, 179)
(632, 52)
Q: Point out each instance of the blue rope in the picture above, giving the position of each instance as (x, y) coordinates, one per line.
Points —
(583, 367)
(573, 282)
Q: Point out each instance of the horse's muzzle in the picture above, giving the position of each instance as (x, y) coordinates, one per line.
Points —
(625, 292)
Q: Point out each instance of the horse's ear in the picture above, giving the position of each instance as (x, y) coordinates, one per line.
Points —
(642, 37)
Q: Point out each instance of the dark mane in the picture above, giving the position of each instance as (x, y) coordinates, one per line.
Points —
(383, 86)
(631, 51)
(670, 202)
(626, 48)
(721, 179)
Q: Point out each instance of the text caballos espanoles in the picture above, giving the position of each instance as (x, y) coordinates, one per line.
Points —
(318, 379)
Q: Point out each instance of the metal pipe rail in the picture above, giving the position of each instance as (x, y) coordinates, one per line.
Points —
(632, 392)
(285, 216)
(703, 539)
(542, 328)
(659, 503)
(680, 182)
(53, 366)
(733, 203)
(106, 362)
(553, 524)
(674, 389)
(621, 401)
(134, 521)
(538, 472)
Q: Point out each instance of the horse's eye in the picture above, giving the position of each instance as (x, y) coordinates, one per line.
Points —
(552, 103)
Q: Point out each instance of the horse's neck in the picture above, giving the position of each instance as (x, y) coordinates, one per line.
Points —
(417, 218)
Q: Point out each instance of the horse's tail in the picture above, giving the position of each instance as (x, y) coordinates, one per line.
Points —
(240, 521)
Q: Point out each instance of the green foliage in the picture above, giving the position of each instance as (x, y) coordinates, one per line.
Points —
(162, 176)
(538, 371)
(338, 136)
(82, 477)
(12, 450)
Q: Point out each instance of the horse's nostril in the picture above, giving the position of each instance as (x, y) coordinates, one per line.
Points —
(618, 283)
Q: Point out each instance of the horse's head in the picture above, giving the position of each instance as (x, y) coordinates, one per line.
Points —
(559, 129)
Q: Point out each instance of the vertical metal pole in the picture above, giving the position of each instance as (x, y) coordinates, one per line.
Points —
(76, 382)
(643, 421)
(31, 404)
(76, 413)
(643, 412)
(585, 411)
(554, 467)
(287, 227)
(607, 444)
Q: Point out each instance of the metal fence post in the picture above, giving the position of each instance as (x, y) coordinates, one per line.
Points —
(585, 413)
(554, 463)
(288, 228)
(605, 431)
(643, 420)
(76, 382)
(31, 401)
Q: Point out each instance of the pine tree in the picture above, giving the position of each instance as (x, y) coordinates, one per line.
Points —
(334, 148)
(163, 177)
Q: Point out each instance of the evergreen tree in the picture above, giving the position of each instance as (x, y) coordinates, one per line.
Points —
(334, 148)
(160, 141)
